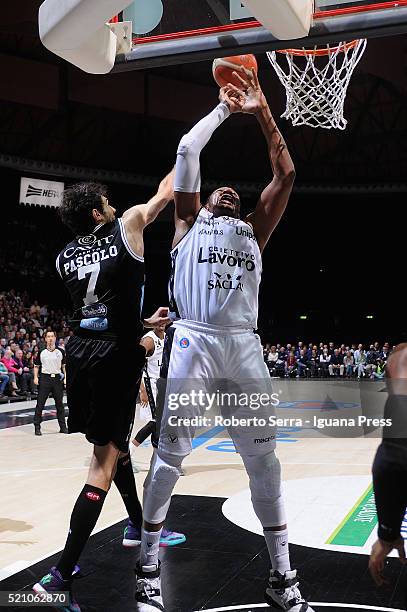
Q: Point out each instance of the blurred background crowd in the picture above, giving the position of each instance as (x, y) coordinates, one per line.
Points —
(327, 360)
(23, 322)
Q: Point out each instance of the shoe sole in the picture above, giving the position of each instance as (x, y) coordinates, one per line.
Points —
(273, 604)
(173, 542)
(38, 588)
(131, 543)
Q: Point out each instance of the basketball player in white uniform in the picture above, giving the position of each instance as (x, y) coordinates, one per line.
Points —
(216, 271)
(153, 342)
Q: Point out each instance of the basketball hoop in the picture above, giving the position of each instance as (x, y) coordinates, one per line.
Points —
(316, 82)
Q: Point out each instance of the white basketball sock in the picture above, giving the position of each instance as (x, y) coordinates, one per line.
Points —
(150, 546)
(277, 544)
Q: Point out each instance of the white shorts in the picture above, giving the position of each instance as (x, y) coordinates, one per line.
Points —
(228, 366)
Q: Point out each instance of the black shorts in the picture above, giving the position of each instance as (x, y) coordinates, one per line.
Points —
(103, 382)
(162, 385)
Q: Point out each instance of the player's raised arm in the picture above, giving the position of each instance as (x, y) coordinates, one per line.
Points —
(274, 198)
(138, 217)
(187, 182)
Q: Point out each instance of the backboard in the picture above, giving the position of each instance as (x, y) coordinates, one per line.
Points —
(178, 31)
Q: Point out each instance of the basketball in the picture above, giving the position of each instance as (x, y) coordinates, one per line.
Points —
(223, 68)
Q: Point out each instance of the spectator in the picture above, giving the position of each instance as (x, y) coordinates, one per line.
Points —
(4, 380)
(280, 363)
(25, 380)
(302, 364)
(313, 362)
(384, 355)
(35, 310)
(44, 314)
(335, 366)
(379, 372)
(272, 359)
(324, 360)
(3, 346)
(349, 363)
(371, 361)
(291, 364)
(12, 371)
(298, 350)
(360, 361)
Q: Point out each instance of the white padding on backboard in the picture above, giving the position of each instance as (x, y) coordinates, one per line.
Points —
(96, 56)
(76, 30)
(286, 19)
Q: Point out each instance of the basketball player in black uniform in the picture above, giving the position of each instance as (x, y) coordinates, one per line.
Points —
(390, 468)
(103, 270)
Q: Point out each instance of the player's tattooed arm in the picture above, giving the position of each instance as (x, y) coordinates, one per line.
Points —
(274, 198)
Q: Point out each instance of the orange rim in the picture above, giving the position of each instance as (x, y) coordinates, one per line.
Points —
(317, 52)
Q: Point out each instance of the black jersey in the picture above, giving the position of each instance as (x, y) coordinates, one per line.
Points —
(105, 279)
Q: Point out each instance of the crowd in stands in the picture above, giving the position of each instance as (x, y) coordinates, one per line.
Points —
(327, 360)
(24, 321)
(22, 326)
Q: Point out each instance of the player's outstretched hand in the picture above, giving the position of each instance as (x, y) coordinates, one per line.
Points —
(160, 317)
(380, 550)
(233, 97)
(255, 99)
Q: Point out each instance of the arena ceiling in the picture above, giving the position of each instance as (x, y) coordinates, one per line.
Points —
(132, 121)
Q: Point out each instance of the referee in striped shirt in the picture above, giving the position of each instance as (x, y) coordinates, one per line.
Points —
(50, 375)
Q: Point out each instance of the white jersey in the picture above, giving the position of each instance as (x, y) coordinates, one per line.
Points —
(216, 273)
(154, 361)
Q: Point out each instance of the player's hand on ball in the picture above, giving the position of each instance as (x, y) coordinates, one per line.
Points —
(380, 550)
(255, 99)
(233, 97)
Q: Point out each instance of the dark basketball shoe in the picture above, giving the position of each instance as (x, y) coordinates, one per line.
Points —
(282, 592)
(54, 583)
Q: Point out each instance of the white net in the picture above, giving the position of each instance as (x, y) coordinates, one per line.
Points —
(316, 81)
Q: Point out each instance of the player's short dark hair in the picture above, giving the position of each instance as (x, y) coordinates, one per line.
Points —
(77, 204)
(49, 331)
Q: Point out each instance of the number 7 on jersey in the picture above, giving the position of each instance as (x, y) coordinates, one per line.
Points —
(93, 270)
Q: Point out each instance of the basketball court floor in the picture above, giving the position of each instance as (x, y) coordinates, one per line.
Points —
(224, 562)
